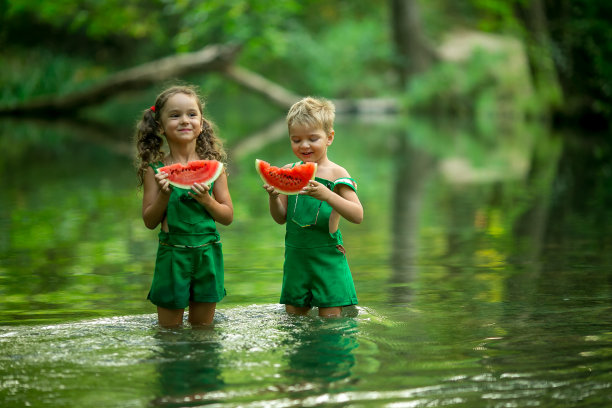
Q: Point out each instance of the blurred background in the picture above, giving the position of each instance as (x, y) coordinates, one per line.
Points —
(478, 132)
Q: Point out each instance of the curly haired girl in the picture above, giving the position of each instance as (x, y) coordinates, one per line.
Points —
(189, 264)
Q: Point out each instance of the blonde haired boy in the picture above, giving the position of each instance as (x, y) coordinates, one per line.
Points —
(316, 272)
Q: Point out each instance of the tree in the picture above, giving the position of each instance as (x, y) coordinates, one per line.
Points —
(414, 55)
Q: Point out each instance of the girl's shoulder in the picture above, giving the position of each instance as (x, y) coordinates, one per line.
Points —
(156, 165)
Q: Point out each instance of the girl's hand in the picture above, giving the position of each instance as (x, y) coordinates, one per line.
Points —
(162, 181)
(271, 191)
(200, 191)
(316, 190)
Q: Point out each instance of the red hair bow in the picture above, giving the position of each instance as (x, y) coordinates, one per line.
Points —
(152, 108)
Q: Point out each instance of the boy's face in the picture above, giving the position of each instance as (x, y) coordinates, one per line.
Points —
(309, 143)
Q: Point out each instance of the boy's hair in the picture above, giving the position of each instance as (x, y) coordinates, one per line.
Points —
(312, 112)
(149, 142)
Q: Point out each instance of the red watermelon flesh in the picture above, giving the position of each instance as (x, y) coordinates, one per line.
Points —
(196, 171)
(287, 181)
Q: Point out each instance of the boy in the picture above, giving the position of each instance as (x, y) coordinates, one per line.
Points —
(315, 271)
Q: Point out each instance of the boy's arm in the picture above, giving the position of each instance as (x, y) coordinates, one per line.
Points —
(346, 203)
(343, 200)
(278, 205)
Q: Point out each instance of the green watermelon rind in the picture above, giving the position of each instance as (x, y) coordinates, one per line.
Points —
(277, 188)
(207, 182)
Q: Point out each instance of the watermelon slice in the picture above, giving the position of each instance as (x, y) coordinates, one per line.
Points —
(287, 181)
(196, 171)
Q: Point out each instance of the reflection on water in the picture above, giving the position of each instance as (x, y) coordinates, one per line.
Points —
(483, 270)
(319, 352)
(412, 169)
(188, 365)
(375, 358)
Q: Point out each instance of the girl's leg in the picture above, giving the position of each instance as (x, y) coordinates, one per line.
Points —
(297, 310)
(169, 317)
(330, 311)
(201, 313)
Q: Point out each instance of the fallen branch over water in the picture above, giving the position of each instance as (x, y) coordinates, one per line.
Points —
(214, 58)
(211, 58)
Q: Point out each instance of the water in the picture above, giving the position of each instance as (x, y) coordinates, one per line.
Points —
(482, 269)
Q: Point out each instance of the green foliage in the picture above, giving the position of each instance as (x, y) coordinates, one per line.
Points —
(452, 88)
(326, 65)
(98, 19)
(336, 49)
(35, 72)
(259, 24)
(582, 39)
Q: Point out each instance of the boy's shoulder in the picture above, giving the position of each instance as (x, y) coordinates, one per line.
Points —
(338, 171)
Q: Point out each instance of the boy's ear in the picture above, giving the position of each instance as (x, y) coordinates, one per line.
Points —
(330, 137)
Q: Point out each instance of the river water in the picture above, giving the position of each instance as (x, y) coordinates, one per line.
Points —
(482, 267)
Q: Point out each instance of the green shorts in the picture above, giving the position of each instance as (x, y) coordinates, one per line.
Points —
(317, 277)
(187, 274)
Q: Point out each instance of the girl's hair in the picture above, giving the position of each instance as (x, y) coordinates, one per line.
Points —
(311, 111)
(149, 142)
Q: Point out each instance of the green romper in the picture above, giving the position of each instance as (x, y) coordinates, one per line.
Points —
(315, 272)
(189, 264)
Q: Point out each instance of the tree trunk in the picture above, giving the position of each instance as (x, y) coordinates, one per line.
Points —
(414, 54)
(539, 46)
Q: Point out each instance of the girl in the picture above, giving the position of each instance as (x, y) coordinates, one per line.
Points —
(189, 264)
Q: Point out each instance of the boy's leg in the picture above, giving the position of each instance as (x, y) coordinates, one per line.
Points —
(201, 312)
(297, 310)
(330, 311)
(169, 317)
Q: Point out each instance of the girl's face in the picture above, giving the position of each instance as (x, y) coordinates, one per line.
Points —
(309, 143)
(181, 119)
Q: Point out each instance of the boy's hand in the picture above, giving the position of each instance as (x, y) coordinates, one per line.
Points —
(316, 190)
(163, 183)
(271, 191)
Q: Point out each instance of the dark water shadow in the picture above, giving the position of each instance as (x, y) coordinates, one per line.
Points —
(319, 354)
(188, 364)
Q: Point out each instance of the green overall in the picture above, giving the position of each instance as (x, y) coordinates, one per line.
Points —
(189, 264)
(315, 272)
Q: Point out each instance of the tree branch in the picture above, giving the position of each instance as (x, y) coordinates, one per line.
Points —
(211, 58)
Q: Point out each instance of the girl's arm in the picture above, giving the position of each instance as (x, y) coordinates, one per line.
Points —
(155, 198)
(278, 205)
(220, 204)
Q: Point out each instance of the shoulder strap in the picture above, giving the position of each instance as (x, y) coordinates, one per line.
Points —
(347, 181)
(156, 165)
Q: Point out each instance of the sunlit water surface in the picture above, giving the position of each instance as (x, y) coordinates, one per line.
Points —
(483, 270)
(257, 356)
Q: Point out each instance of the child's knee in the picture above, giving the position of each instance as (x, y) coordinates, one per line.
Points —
(330, 311)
